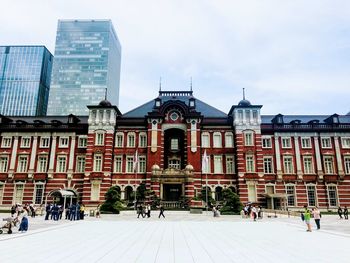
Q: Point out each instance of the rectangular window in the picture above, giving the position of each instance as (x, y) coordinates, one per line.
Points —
(119, 140)
(217, 140)
(240, 115)
(61, 164)
(97, 163)
(42, 164)
(270, 189)
(44, 142)
(250, 164)
(328, 165)
(217, 164)
(251, 193)
(3, 164)
(129, 164)
(64, 141)
(286, 143)
(118, 164)
(131, 140)
(174, 164)
(326, 143)
(174, 144)
(80, 167)
(1, 192)
(206, 168)
(255, 115)
(308, 165)
(143, 140)
(205, 141)
(347, 165)
(288, 164)
(25, 142)
(230, 168)
(142, 164)
(6, 142)
(95, 191)
(228, 140)
(18, 195)
(248, 139)
(311, 195)
(268, 168)
(305, 143)
(39, 194)
(82, 142)
(345, 143)
(247, 115)
(266, 142)
(290, 191)
(332, 196)
(22, 164)
(99, 139)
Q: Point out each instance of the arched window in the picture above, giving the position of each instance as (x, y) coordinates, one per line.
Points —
(119, 140)
(228, 140)
(131, 139)
(142, 140)
(217, 140)
(205, 140)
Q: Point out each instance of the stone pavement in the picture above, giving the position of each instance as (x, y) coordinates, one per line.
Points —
(180, 237)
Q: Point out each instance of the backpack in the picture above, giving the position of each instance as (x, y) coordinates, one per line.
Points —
(302, 217)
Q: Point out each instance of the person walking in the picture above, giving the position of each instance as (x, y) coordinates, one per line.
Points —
(346, 213)
(317, 217)
(140, 211)
(161, 211)
(148, 210)
(254, 212)
(307, 217)
(340, 212)
(23, 227)
(48, 211)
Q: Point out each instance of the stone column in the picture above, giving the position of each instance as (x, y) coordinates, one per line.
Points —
(33, 157)
(318, 158)
(13, 157)
(52, 157)
(278, 158)
(297, 156)
(338, 156)
(71, 158)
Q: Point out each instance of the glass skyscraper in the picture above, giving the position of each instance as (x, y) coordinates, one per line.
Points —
(25, 74)
(86, 66)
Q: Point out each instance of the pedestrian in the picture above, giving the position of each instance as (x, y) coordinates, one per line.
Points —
(140, 211)
(161, 211)
(307, 217)
(72, 212)
(98, 211)
(67, 212)
(82, 211)
(48, 211)
(32, 210)
(346, 213)
(77, 211)
(23, 227)
(260, 212)
(148, 210)
(340, 212)
(317, 217)
(254, 213)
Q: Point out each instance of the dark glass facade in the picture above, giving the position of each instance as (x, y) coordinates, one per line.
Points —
(25, 75)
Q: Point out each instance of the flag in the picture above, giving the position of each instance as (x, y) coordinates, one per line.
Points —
(205, 162)
(136, 162)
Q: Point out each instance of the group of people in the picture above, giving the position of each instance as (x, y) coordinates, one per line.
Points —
(344, 212)
(146, 211)
(250, 210)
(19, 214)
(307, 214)
(73, 212)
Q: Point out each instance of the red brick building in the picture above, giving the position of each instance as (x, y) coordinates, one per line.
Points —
(276, 161)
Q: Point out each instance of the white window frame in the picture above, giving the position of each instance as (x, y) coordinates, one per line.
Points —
(2, 190)
(20, 167)
(39, 166)
(336, 195)
(315, 194)
(59, 168)
(205, 140)
(347, 164)
(217, 140)
(266, 145)
(82, 141)
(293, 195)
(142, 164)
(95, 190)
(286, 168)
(63, 142)
(25, 142)
(230, 164)
(250, 163)
(118, 164)
(119, 144)
(36, 187)
(268, 185)
(248, 138)
(4, 163)
(6, 142)
(286, 142)
(345, 142)
(217, 164)
(306, 143)
(207, 169)
(229, 140)
(99, 138)
(174, 144)
(98, 162)
(270, 158)
(325, 145)
(44, 142)
(131, 143)
(252, 196)
(311, 170)
(80, 164)
(142, 140)
(129, 164)
(328, 160)
(15, 198)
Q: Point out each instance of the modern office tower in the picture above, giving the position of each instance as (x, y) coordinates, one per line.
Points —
(86, 67)
(25, 74)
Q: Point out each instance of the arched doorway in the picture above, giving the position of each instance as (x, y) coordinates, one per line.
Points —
(129, 194)
(218, 193)
(64, 197)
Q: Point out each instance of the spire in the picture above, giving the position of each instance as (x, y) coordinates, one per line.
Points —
(160, 83)
(105, 93)
(243, 93)
(191, 85)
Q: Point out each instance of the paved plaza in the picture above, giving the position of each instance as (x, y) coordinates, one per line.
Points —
(181, 237)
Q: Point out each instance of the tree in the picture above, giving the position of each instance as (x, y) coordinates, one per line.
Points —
(211, 201)
(231, 202)
(112, 202)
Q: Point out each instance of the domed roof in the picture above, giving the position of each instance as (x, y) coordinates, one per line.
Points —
(244, 103)
(105, 103)
(189, 167)
(155, 167)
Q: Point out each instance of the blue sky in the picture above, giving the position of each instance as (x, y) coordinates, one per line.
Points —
(293, 57)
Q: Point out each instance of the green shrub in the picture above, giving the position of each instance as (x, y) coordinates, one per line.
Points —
(231, 202)
(112, 202)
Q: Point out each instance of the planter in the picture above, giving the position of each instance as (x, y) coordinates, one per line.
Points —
(196, 210)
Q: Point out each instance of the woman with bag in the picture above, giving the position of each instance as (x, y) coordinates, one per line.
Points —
(317, 216)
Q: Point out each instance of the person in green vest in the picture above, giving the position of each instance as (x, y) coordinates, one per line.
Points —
(307, 218)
